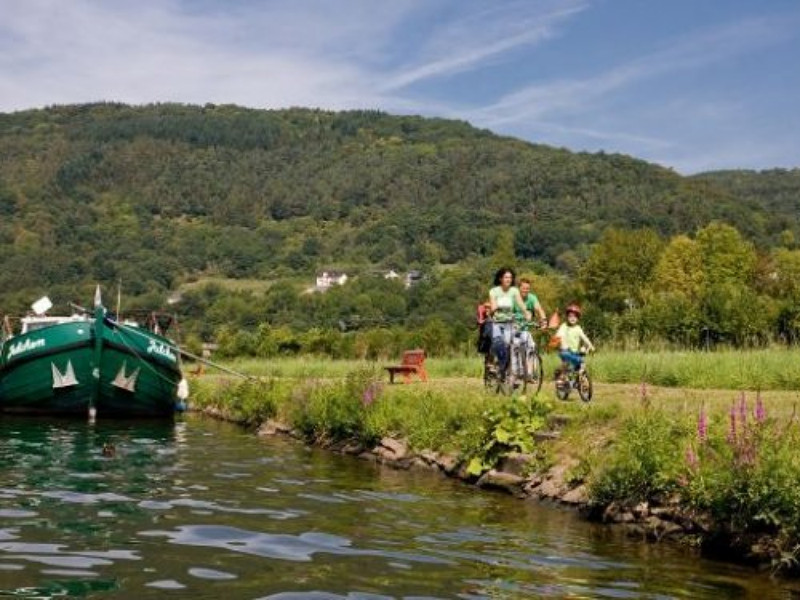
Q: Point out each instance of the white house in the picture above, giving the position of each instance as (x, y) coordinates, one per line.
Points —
(326, 279)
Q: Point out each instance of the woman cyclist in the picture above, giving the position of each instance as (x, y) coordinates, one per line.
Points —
(503, 298)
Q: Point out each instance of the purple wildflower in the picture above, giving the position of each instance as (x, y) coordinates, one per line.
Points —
(732, 429)
(743, 410)
(691, 458)
(702, 425)
(747, 455)
(369, 395)
(760, 412)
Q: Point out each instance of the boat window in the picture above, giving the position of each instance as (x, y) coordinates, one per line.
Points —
(38, 325)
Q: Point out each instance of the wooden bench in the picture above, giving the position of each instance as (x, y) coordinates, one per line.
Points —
(413, 363)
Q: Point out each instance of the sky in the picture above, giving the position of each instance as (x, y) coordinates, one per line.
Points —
(694, 85)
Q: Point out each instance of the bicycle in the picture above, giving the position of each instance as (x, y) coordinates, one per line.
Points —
(532, 366)
(524, 367)
(567, 378)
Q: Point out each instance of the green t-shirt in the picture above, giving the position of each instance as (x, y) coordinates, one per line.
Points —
(531, 302)
(504, 300)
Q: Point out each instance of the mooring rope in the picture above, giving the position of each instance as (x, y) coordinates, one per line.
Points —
(178, 349)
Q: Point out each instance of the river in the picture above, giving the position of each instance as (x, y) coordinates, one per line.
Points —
(203, 509)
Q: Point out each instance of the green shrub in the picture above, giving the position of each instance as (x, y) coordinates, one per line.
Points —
(509, 427)
(747, 474)
(428, 418)
(250, 402)
(254, 401)
(337, 411)
(643, 462)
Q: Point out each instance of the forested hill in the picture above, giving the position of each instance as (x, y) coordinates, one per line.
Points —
(775, 191)
(159, 194)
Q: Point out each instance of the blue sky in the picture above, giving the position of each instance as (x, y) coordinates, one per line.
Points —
(694, 85)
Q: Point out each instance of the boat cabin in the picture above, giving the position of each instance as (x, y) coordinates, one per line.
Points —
(32, 323)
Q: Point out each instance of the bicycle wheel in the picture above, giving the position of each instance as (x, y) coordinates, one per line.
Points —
(563, 385)
(584, 386)
(535, 371)
(515, 381)
(516, 378)
(489, 374)
(505, 385)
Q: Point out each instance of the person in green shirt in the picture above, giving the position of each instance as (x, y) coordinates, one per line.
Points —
(532, 304)
(504, 298)
(572, 339)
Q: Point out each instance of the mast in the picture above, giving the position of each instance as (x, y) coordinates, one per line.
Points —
(119, 299)
(99, 316)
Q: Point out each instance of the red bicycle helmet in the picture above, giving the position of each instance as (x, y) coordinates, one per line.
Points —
(573, 308)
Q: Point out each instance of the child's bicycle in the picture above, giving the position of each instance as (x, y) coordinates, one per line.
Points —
(524, 371)
(567, 378)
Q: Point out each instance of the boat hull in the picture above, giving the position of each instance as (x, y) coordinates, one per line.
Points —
(70, 368)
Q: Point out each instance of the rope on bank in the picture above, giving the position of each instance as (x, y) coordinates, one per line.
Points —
(172, 345)
(176, 348)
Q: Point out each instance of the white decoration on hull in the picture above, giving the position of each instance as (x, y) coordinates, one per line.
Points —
(65, 379)
(126, 382)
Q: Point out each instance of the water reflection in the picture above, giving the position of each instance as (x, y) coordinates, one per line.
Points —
(202, 509)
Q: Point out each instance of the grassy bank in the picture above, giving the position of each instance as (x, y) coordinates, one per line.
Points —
(722, 453)
(769, 369)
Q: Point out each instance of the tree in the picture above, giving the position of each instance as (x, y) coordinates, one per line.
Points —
(727, 256)
(784, 286)
(620, 267)
(680, 269)
(787, 239)
(785, 278)
(503, 255)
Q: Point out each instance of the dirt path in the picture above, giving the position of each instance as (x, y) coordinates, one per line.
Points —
(629, 396)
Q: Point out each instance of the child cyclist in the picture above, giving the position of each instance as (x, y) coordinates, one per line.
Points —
(572, 339)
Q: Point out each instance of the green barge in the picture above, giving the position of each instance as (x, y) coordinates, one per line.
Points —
(89, 364)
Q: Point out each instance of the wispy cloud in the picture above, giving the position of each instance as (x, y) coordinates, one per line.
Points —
(580, 95)
(305, 53)
(473, 40)
(55, 52)
(689, 129)
(604, 135)
(415, 56)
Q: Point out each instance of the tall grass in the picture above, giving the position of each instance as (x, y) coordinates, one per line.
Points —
(769, 369)
(772, 369)
(299, 367)
(429, 418)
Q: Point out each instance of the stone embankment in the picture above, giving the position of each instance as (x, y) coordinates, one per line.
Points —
(516, 475)
(560, 483)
